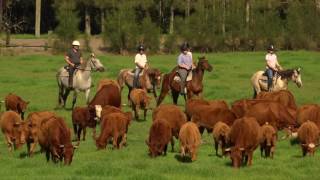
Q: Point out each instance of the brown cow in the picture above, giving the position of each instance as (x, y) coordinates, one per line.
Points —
(218, 104)
(83, 117)
(268, 140)
(114, 125)
(190, 140)
(107, 95)
(16, 103)
(173, 115)
(159, 136)
(309, 112)
(284, 97)
(104, 82)
(55, 140)
(139, 99)
(192, 106)
(308, 135)
(33, 122)
(12, 128)
(220, 135)
(245, 136)
(240, 107)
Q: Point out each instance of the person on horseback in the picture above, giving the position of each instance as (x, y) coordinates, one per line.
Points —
(272, 65)
(74, 59)
(190, 53)
(140, 61)
(184, 66)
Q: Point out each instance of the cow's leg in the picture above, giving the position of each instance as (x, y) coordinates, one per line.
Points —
(250, 154)
(123, 140)
(165, 149)
(75, 94)
(79, 133)
(145, 113)
(172, 144)
(261, 150)
(9, 142)
(115, 140)
(47, 155)
(84, 134)
(216, 146)
(182, 153)
(33, 147)
(94, 133)
(87, 95)
(75, 130)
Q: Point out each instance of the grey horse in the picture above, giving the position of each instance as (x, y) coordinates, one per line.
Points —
(81, 83)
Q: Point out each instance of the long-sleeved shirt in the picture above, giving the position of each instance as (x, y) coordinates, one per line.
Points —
(185, 60)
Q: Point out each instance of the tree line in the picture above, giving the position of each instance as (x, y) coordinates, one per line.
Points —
(161, 25)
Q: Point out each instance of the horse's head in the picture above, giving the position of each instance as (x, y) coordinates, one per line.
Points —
(296, 77)
(203, 64)
(95, 63)
(155, 75)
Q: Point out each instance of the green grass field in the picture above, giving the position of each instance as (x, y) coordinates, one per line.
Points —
(33, 78)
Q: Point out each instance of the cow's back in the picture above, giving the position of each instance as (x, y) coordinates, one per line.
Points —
(189, 135)
(308, 132)
(309, 112)
(7, 121)
(284, 97)
(107, 95)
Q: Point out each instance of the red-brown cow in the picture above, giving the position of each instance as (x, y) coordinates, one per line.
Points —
(309, 112)
(218, 104)
(114, 125)
(139, 99)
(104, 82)
(16, 103)
(105, 110)
(55, 140)
(308, 135)
(107, 95)
(173, 115)
(284, 97)
(13, 129)
(240, 107)
(268, 140)
(220, 135)
(245, 136)
(159, 136)
(190, 140)
(192, 106)
(83, 117)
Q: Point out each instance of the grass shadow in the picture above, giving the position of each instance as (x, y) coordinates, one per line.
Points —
(184, 159)
(26, 155)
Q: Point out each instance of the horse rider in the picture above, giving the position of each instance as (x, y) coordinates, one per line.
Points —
(189, 53)
(140, 61)
(272, 65)
(184, 66)
(74, 59)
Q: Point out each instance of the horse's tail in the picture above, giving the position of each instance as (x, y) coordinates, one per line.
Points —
(254, 93)
(165, 87)
(120, 79)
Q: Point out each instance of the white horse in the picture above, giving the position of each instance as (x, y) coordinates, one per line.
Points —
(280, 80)
(81, 81)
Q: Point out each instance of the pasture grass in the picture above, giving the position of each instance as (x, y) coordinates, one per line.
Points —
(33, 78)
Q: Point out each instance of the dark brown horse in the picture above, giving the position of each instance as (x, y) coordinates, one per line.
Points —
(194, 87)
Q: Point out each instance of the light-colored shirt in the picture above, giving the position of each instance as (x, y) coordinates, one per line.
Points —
(185, 59)
(141, 59)
(271, 60)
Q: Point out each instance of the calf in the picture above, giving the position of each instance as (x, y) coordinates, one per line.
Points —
(13, 130)
(159, 136)
(245, 136)
(107, 95)
(139, 99)
(173, 115)
(55, 140)
(190, 140)
(308, 135)
(114, 125)
(16, 103)
(83, 117)
(268, 140)
(221, 136)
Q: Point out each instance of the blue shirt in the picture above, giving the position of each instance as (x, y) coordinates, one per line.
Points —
(185, 59)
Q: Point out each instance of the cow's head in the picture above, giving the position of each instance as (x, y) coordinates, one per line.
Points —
(67, 153)
(98, 109)
(310, 147)
(155, 149)
(236, 156)
(19, 133)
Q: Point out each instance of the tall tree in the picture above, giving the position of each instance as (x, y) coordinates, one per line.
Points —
(38, 18)
(247, 17)
(1, 14)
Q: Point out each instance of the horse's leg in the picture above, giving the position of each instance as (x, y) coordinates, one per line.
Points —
(175, 96)
(75, 94)
(65, 96)
(129, 101)
(87, 95)
(164, 89)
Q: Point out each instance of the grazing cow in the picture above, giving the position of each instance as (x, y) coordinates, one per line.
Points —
(16, 103)
(33, 122)
(105, 110)
(240, 107)
(159, 136)
(308, 135)
(55, 140)
(284, 97)
(104, 82)
(309, 112)
(173, 115)
(218, 104)
(139, 99)
(83, 117)
(190, 140)
(114, 125)
(206, 117)
(192, 105)
(12, 128)
(268, 140)
(245, 136)
(274, 113)
(220, 135)
(107, 95)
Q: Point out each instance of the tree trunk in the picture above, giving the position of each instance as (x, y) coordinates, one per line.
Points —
(1, 15)
(171, 19)
(38, 18)
(223, 25)
(8, 34)
(87, 22)
(103, 14)
(160, 12)
(247, 17)
(187, 13)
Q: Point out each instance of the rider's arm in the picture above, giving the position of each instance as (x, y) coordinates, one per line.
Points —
(137, 62)
(67, 59)
(181, 64)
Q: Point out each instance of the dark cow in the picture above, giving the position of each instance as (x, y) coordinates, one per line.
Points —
(16, 103)
(55, 140)
(268, 140)
(83, 117)
(308, 135)
(245, 136)
(139, 99)
(114, 125)
(190, 140)
(107, 95)
(159, 136)
(104, 82)
(12, 128)
(173, 115)
(309, 112)
(220, 135)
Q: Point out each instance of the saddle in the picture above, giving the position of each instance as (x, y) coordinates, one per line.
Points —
(178, 79)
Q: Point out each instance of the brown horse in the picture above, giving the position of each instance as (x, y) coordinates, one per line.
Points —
(194, 87)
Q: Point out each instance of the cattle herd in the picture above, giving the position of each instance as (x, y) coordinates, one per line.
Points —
(238, 130)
